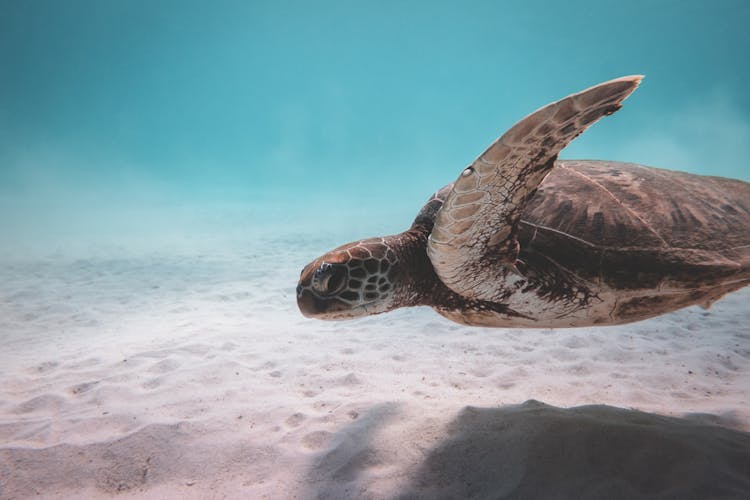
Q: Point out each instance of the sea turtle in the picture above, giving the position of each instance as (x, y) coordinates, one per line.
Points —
(521, 239)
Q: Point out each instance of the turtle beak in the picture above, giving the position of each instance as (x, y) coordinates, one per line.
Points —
(308, 304)
(312, 306)
(331, 308)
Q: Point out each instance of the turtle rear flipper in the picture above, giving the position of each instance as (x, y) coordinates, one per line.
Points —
(473, 246)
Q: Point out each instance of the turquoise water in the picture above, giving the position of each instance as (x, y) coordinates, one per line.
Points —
(125, 122)
(168, 167)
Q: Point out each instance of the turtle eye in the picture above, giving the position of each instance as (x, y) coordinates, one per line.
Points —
(329, 279)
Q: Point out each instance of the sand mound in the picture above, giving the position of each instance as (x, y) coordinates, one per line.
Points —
(178, 454)
(539, 451)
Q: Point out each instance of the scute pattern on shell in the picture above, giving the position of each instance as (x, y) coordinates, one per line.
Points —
(605, 242)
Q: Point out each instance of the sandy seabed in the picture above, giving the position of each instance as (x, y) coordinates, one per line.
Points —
(193, 376)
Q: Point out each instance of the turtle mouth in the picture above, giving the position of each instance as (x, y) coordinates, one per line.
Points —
(328, 308)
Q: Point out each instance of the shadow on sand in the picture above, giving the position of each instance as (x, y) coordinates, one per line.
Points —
(341, 471)
(536, 451)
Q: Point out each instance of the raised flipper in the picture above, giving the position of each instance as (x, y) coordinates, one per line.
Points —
(473, 244)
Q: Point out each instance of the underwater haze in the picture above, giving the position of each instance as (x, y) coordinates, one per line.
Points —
(147, 123)
(167, 168)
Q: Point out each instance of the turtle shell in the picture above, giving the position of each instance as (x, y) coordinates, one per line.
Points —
(643, 240)
(657, 238)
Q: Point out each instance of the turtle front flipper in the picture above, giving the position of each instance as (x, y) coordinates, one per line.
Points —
(473, 244)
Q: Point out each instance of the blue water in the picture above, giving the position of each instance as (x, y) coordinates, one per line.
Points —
(168, 167)
(143, 120)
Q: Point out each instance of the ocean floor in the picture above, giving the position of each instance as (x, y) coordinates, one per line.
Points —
(192, 375)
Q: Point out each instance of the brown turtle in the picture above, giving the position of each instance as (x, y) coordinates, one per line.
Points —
(521, 239)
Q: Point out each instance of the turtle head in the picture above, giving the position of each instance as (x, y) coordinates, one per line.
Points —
(353, 280)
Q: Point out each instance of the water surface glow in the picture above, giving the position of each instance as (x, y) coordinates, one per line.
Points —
(125, 119)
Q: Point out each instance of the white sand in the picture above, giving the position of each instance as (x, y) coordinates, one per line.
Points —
(183, 375)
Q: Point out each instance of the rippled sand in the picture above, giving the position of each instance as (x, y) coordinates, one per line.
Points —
(158, 375)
